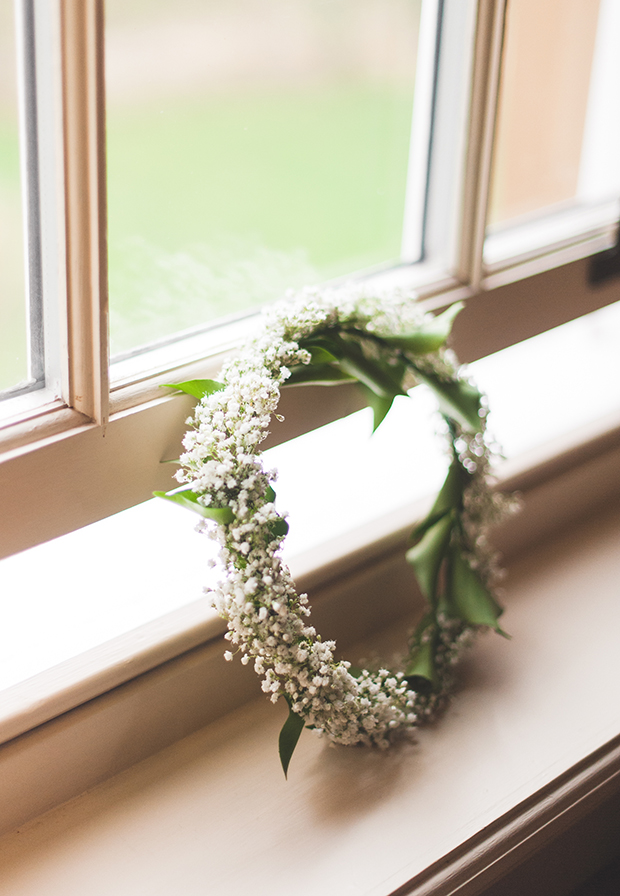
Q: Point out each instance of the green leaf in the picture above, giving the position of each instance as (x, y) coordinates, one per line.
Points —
(196, 388)
(278, 528)
(270, 495)
(289, 735)
(427, 555)
(376, 376)
(458, 399)
(380, 406)
(469, 599)
(430, 336)
(384, 380)
(317, 375)
(450, 497)
(189, 499)
(355, 671)
(329, 342)
(321, 355)
(422, 665)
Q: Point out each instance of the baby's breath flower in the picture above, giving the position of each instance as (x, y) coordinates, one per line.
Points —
(266, 618)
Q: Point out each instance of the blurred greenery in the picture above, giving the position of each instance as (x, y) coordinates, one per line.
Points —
(13, 345)
(222, 204)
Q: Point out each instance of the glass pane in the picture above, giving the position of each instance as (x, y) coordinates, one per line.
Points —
(558, 138)
(253, 146)
(13, 327)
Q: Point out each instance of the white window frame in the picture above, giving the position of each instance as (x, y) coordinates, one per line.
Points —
(95, 450)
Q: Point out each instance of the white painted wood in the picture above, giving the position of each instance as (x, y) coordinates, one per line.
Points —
(528, 746)
(482, 116)
(85, 206)
(421, 129)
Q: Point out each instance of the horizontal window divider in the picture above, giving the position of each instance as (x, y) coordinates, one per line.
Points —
(538, 261)
(72, 478)
(125, 397)
(37, 424)
(537, 234)
(509, 313)
(176, 662)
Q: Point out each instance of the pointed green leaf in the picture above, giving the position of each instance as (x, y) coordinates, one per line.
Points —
(458, 399)
(196, 388)
(189, 499)
(329, 342)
(317, 375)
(321, 355)
(450, 497)
(270, 495)
(429, 336)
(384, 382)
(383, 379)
(380, 406)
(469, 599)
(422, 665)
(427, 555)
(289, 735)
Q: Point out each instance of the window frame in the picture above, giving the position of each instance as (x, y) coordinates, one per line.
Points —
(96, 450)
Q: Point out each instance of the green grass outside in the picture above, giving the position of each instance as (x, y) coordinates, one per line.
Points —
(218, 206)
(221, 206)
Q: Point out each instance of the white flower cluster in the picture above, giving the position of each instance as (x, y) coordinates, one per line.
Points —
(267, 619)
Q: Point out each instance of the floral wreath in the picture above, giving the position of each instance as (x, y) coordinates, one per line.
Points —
(386, 344)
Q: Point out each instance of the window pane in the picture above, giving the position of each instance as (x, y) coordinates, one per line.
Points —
(13, 327)
(253, 146)
(558, 139)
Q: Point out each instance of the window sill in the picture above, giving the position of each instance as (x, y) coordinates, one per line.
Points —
(172, 668)
(527, 755)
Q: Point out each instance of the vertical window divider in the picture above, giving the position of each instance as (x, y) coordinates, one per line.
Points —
(82, 51)
(483, 111)
(416, 193)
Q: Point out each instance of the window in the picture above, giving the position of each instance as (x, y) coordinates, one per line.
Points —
(81, 449)
(253, 147)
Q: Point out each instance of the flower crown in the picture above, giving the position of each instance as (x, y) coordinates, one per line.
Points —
(386, 344)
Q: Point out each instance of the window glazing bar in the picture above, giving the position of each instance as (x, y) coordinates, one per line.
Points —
(82, 37)
(449, 133)
(489, 38)
(421, 131)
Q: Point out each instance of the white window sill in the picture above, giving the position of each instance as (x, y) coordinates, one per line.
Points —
(511, 766)
(133, 599)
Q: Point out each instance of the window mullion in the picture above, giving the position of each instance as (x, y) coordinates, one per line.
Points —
(482, 115)
(85, 206)
(421, 127)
